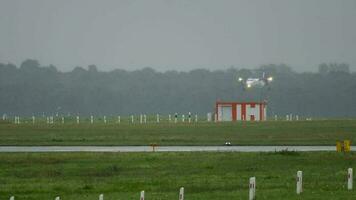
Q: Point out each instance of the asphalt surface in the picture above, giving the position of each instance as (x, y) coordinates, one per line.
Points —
(164, 148)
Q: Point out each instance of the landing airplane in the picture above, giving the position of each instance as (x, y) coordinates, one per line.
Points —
(255, 82)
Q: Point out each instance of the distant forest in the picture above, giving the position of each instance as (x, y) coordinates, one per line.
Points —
(32, 89)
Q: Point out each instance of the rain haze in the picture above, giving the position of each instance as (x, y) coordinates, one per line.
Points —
(178, 35)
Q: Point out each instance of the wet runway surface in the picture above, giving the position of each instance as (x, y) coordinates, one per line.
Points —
(164, 148)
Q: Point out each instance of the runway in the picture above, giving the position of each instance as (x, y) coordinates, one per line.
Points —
(165, 148)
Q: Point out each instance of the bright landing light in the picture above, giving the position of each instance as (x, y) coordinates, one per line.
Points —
(270, 78)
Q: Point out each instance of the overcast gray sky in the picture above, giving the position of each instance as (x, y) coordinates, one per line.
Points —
(181, 35)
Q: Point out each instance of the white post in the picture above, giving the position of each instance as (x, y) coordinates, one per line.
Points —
(181, 193)
(169, 118)
(33, 119)
(101, 197)
(145, 118)
(275, 117)
(189, 117)
(57, 198)
(208, 117)
(349, 178)
(157, 116)
(12, 198)
(119, 119)
(142, 196)
(52, 119)
(216, 117)
(196, 118)
(91, 119)
(183, 118)
(62, 120)
(252, 186)
(297, 117)
(104, 119)
(78, 119)
(299, 182)
(141, 118)
(18, 119)
(287, 117)
(132, 119)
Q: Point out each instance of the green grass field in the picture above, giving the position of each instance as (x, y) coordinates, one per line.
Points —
(318, 132)
(208, 176)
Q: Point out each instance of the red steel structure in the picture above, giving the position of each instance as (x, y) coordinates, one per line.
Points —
(244, 111)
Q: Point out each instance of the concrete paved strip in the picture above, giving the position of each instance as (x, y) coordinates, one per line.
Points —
(164, 148)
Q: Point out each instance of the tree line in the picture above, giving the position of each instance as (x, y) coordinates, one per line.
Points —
(32, 89)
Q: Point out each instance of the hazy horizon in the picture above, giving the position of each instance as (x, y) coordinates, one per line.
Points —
(178, 35)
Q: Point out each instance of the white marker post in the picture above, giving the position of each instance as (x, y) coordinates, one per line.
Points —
(208, 117)
(145, 118)
(287, 117)
(57, 198)
(141, 118)
(297, 117)
(62, 120)
(78, 119)
(252, 186)
(181, 193)
(12, 198)
(142, 196)
(33, 119)
(189, 117)
(132, 119)
(275, 117)
(196, 118)
(18, 119)
(169, 118)
(92, 119)
(101, 197)
(349, 178)
(51, 119)
(119, 119)
(104, 119)
(183, 118)
(157, 118)
(299, 182)
(216, 117)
